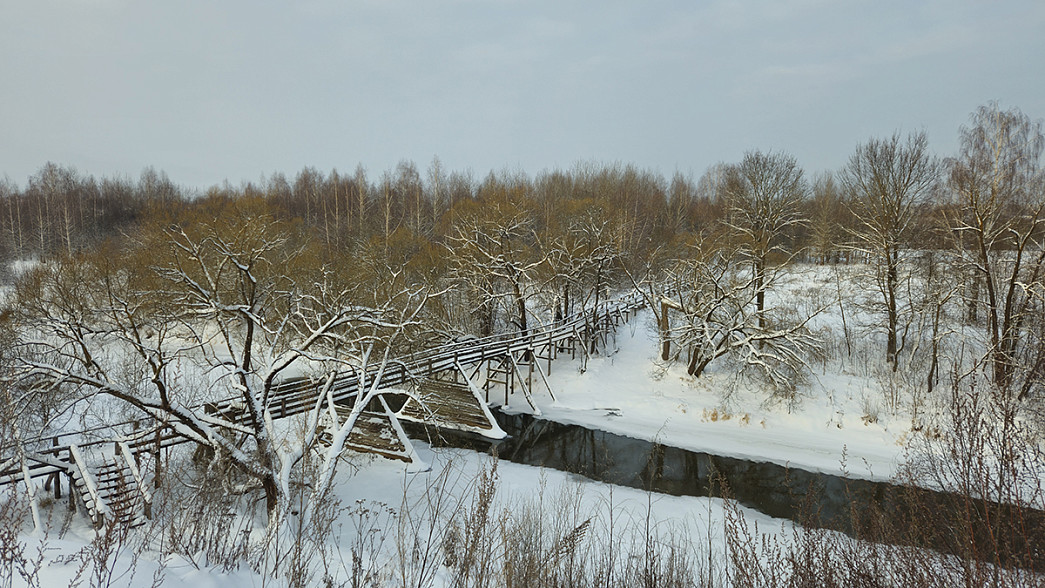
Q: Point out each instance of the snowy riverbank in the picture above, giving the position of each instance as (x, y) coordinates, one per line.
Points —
(632, 393)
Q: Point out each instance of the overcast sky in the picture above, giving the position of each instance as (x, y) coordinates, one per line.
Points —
(215, 90)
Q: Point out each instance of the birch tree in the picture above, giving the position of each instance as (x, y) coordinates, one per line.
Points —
(764, 194)
(1000, 225)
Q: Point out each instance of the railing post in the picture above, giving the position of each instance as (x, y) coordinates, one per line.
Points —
(486, 383)
(158, 465)
(57, 476)
(551, 351)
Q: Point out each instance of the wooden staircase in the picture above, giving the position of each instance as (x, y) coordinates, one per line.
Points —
(113, 491)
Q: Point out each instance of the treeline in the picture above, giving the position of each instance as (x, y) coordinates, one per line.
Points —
(63, 210)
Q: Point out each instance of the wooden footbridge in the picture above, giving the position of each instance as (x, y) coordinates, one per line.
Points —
(109, 470)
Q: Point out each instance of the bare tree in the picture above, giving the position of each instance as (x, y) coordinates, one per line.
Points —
(714, 301)
(888, 180)
(235, 300)
(410, 193)
(52, 189)
(11, 199)
(583, 253)
(650, 277)
(827, 220)
(494, 251)
(308, 186)
(1000, 224)
(436, 190)
(764, 193)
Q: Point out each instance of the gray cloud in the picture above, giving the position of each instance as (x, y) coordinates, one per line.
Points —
(236, 90)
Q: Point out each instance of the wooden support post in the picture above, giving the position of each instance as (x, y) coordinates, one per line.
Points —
(513, 366)
(72, 484)
(509, 385)
(551, 352)
(529, 372)
(57, 476)
(158, 466)
(546, 384)
(486, 382)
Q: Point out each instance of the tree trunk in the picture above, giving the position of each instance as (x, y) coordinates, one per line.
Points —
(662, 323)
(271, 488)
(890, 300)
(993, 323)
(760, 292)
(520, 305)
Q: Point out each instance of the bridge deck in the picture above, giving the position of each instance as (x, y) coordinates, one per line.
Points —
(372, 433)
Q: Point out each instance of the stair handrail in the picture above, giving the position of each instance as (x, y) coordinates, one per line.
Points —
(100, 506)
(139, 481)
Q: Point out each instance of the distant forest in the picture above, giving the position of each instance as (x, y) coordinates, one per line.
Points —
(62, 210)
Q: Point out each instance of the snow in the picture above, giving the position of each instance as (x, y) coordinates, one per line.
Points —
(129, 569)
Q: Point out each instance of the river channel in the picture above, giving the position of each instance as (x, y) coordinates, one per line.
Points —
(808, 498)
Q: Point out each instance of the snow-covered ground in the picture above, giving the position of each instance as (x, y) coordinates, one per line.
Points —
(375, 493)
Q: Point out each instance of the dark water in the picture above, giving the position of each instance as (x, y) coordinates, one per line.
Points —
(857, 507)
(605, 457)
